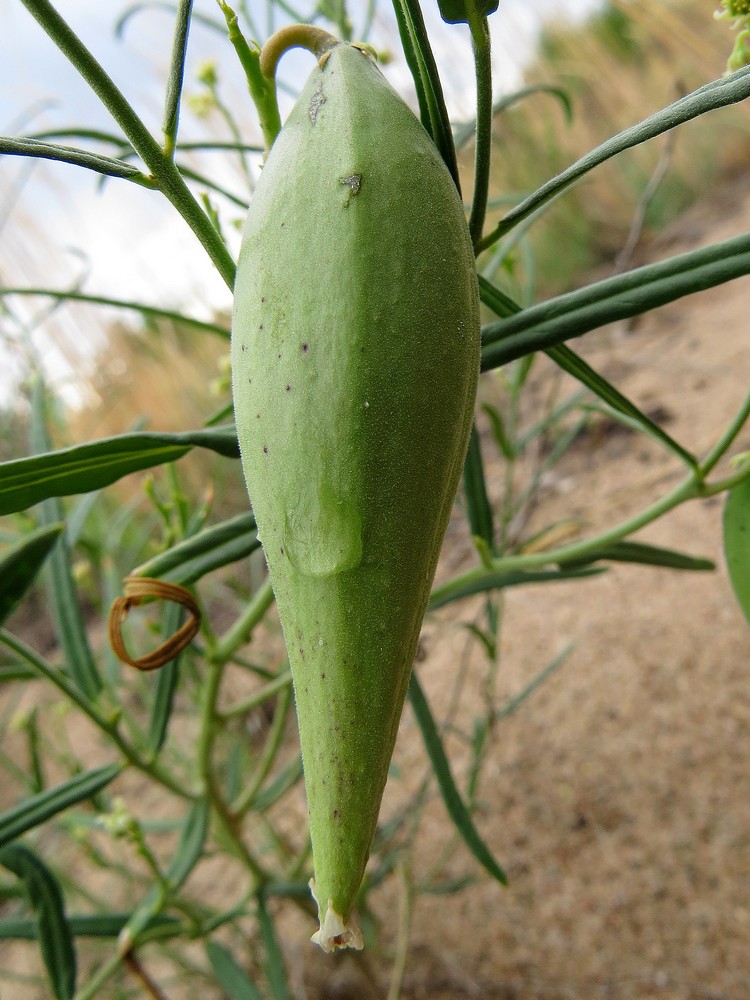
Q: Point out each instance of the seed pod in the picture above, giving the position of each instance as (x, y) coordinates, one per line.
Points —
(355, 358)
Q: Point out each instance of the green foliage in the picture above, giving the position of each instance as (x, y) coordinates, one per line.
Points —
(184, 796)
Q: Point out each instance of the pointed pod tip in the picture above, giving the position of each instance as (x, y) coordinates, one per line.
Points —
(335, 933)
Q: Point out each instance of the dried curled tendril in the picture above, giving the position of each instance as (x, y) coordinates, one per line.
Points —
(140, 590)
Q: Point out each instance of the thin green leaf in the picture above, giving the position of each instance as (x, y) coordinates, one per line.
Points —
(478, 507)
(16, 672)
(421, 62)
(20, 564)
(275, 971)
(230, 975)
(563, 317)
(736, 523)
(287, 778)
(717, 94)
(451, 796)
(78, 157)
(34, 811)
(193, 558)
(574, 365)
(104, 925)
(482, 581)
(498, 431)
(165, 174)
(579, 369)
(46, 898)
(190, 846)
(166, 685)
(82, 468)
(61, 589)
(517, 700)
(646, 555)
(104, 300)
(187, 854)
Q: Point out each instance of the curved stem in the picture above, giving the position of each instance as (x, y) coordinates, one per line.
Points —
(693, 486)
(480, 38)
(294, 36)
(689, 489)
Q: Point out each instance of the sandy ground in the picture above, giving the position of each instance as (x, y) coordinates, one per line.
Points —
(618, 795)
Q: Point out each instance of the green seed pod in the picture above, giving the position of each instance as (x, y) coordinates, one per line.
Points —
(355, 358)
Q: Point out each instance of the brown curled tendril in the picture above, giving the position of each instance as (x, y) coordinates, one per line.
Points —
(140, 590)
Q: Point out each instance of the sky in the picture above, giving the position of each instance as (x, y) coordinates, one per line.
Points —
(59, 225)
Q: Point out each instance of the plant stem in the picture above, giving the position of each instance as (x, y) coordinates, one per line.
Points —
(99, 978)
(693, 486)
(107, 725)
(176, 77)
(262, 90)
(239, 633)
(210, 786)
(270, 752)
(163, 169)
(480, 38)
(726, 439)
(689, 489)
(283, 680)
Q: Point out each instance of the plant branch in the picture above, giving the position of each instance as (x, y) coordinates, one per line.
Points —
(107, 725)
(165, 173)
(239, 633)
(176, 77)
(111, 167)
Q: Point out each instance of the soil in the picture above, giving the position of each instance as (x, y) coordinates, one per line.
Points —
(617, 795)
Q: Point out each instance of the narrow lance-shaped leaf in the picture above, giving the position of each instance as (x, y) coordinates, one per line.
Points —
(20, 563)
(481, 581)
(34, 811)
(71, 295)
(717, 94)
(97, 925)
(464, 132)
(646, 555)
(275, 971)
(451, 796)
(421, 61)
(176, 74)
(475, 490)
(737, 542)
(78, 157)
(166, 685)
(46, 899)
(86, 467)
(230, 975)
(571, 315)
(193, 558)
(574, 365)
(61, 589)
